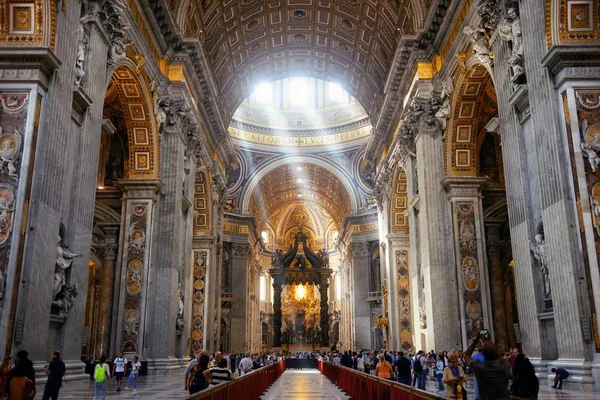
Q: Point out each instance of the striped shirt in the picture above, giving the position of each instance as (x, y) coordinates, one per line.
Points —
(218, 375)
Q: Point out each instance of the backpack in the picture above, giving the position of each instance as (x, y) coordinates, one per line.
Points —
(418, 367)
(99, 373)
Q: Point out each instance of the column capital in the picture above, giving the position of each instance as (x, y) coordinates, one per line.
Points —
(139, 188)
(464, 186)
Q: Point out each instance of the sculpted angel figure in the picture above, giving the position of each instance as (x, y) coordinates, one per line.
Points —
(591, 155)
(481, 45)
(64, 259)
(6, 206)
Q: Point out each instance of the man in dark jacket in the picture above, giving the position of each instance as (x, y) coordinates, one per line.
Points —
(55, 371)
(403, 366)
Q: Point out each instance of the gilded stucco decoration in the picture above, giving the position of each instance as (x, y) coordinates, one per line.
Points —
(474, 104)
(202, 204)
(27, 23)
(143, 142)
(399, 202)
(572, 22)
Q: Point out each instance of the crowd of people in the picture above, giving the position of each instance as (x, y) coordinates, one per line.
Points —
(495, 376)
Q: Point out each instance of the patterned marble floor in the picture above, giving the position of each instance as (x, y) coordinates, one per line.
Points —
(307, 384)
(293, 384)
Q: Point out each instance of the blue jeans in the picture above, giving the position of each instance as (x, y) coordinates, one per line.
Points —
(404, 380)
(440, 383)
(475, 388)
(132, 378)
(421, 379)
(100, 387)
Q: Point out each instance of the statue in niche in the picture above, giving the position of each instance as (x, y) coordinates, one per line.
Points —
(481, 45)
(445, 110)
(63, 293)
(538, 248)
(80, 60)
(510, 30)
(179, 322)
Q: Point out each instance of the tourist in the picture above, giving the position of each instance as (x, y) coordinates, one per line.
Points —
(136, 366)
(439, 372)
(20, 385)
(420, 369)
(373, 360)
(101, 378)
(4, 371)
(384, 368)
(220, 373)
(479, 357)
(119, 369)
(55, 372)
(360, 363)
(492, 373)
(454, 378)
(189, 369)
(337, 360)
(198, 377)
(431, 362)
(24, 363)
(403, 365)
(245, 365)
(525, 384)
(561, 374)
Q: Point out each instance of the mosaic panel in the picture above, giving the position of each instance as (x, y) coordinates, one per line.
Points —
(202, 204)
(399, 203)
(576, 22)
(25, 23)
(198, 297)
(404, 311)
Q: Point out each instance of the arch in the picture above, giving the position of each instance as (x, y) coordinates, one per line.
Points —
(474, 103)
(143, 140)
(261, 171)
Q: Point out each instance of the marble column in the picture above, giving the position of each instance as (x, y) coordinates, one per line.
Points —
(359, 253)
(469, 249)
(135, 246)
(166, 271)
(104, 326)
(323, 288)
(501, 323)
(239, 315)
(437, 264)
(277, 289)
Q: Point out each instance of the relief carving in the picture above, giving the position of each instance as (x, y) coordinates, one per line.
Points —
(10, 152)
(481, 44)
(510, 30)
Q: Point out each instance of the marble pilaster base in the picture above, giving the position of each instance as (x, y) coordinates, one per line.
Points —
(75, 370)
(165, 364)
(580, 374)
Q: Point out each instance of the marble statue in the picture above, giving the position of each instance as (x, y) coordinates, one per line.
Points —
(136, 240)
(277, 259)
(591, 155)
(180, 306)
(10, 152)
(80, 60)
(539, 252)
(64, 259)
(117, 51)
(7, 206)
(445, 110)
(65, 300)
(481, 45)
(510, 30)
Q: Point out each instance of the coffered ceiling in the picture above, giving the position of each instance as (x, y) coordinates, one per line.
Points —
(305, 183)
(352, 42)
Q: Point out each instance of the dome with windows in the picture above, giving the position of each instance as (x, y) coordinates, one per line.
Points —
(300, 112)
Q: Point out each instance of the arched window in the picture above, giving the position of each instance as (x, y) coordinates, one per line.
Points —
(263, 288)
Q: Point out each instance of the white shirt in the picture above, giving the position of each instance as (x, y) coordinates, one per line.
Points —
(361, 363)
(120, 364)
(245, 364)
(135, 367)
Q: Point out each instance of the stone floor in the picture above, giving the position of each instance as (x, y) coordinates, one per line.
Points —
(305, 384)
(294, 384)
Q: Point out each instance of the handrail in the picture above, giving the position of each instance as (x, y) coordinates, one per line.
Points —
(360, 385)
(248, 386)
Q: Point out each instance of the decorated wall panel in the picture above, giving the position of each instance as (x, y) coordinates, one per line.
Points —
(572, 22)
(136, 258)
(584, 136)
(13, 115)
(199, 283)
(202, 204)
(404, 307)
(28, 23)
(399, 203)
(469, 265)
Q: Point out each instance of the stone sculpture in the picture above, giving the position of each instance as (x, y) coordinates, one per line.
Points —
(80, 60)
(7, 206)
(510, 30)
(443, 113)
(591, 155)
(481, 45)
(10, 150)
(539, 252)
(63, 292)
(65, 299)
(180, 321)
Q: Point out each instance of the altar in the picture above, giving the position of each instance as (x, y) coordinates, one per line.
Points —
(300, 301)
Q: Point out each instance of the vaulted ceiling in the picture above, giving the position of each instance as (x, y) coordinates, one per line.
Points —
(300, 183)
(352, 42)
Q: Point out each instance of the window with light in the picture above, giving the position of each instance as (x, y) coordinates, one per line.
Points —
(263, 288)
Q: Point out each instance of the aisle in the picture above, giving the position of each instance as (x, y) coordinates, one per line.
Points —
(303, 384)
